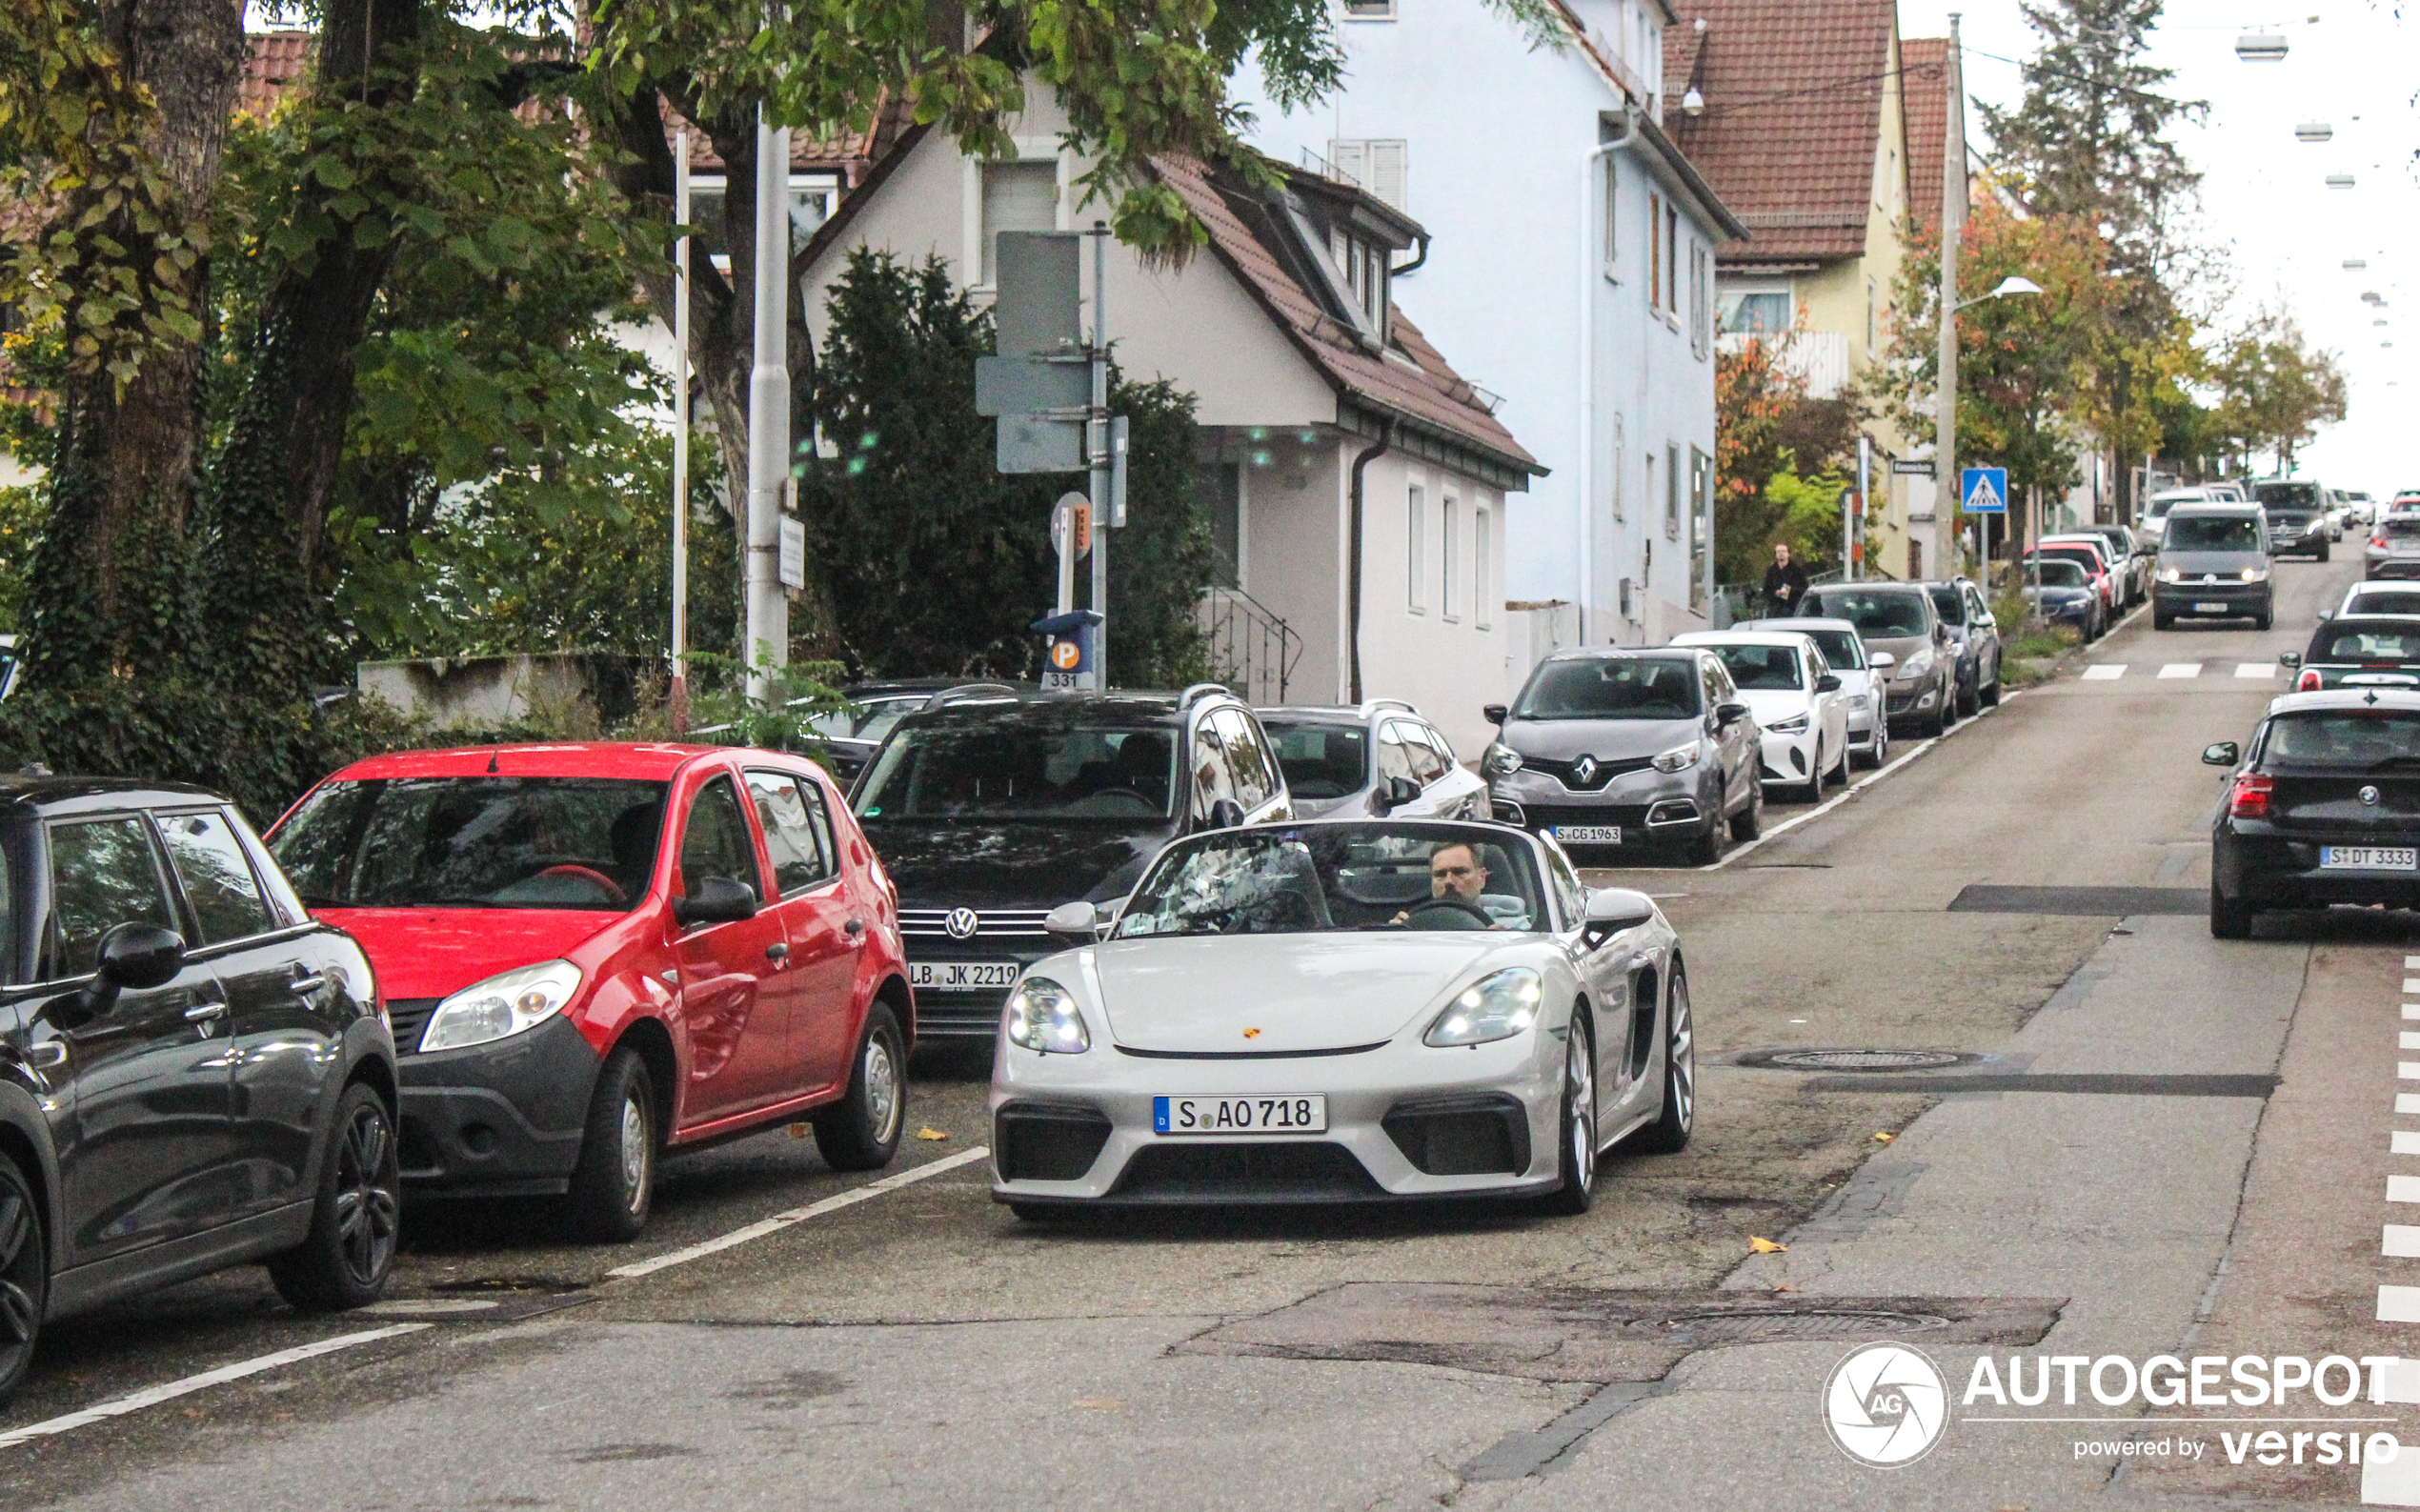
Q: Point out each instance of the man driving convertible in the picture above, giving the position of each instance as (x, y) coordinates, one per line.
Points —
(1456, 873)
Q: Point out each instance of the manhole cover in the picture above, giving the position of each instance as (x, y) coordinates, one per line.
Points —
(1864, 1060)
(1755, 1328)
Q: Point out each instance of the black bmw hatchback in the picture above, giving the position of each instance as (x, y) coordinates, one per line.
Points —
(194, 1074)
(2323, 807)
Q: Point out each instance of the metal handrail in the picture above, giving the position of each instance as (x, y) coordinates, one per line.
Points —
(1249, 646)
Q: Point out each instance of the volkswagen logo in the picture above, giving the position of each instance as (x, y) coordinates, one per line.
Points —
(961, 923)
(1886, 1405)
(1584, 770)
(2368, 794)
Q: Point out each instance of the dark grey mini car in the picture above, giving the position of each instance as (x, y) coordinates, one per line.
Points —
(193, 1073)
(1619, 750)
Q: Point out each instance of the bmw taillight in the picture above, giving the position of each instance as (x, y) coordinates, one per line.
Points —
(2248, 798)
(2309, 682)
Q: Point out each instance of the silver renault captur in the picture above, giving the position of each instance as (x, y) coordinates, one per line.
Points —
(1628, 749)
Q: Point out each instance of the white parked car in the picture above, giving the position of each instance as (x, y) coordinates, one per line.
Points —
(1344, 1009)
(1864, 683)
(1797, 700)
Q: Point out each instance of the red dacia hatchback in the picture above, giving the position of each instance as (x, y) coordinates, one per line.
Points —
(594, 951)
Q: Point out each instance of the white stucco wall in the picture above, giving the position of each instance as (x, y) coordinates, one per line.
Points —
(1497, 139)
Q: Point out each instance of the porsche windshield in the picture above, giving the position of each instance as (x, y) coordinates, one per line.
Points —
(1328, 878)
(474, 842)
(1011, 771)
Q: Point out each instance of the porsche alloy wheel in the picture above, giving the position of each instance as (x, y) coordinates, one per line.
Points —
(1671, 1130)
(1578, 1188)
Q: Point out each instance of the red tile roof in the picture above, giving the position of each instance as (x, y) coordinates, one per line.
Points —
(1412, 385)
(1792, 122)
(276, 64)
(1923, 86)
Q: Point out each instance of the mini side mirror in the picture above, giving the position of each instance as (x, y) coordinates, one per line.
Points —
(132, 957)
(1829, 682)
(1495, 714)
(2224, 753)
(1727, 714)
(1393, 793)
(1883, 661)
(2289, 659)
(715, 901)
(1611, 910)
(1072, 924)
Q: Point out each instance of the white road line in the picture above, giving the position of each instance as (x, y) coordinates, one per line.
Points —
(2411, 1010)
(2411, 962)
(1860, 786)
(2408, 1103)
(795, 1216)
(155, 1395)
(2399, 1305)
(2103, 672)
(2402, 1240)
(2403, 1141)
(2182, 669)
(2408, 1039)
(2403, 1189)
(2408, 1070)
(2410, 984)
(2255, 669)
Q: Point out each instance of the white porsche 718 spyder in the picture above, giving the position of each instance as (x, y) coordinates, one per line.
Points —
(1343, 1011)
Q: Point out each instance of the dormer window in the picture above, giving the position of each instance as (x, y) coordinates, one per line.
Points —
(1365, 266)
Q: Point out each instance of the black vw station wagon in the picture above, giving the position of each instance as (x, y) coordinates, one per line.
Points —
(194, 1074)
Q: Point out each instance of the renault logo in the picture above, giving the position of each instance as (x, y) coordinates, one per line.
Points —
(1584, 770)
(961, 923)
(2368, 794)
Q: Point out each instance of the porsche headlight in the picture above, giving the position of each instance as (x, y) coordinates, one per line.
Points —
(1496, 1007)
(1500, 761)
(506, 1004)
(1042, 1016)
(1679, 758)
(1795, 724)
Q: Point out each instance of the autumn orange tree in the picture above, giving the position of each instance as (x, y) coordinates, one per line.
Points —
(1769, 430)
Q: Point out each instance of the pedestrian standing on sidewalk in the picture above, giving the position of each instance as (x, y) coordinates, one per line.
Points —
(1784, 583)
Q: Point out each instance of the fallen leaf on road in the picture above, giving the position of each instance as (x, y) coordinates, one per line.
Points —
(1785, 1288)
(798, 1130)
(930, 1134)
(1882, 1137)
(1763, 1246)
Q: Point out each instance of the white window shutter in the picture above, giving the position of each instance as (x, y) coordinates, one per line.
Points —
(1389, 171)
(1350, 158)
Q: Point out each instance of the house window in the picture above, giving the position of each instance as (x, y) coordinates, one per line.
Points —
(1701, 524)
(1671, 259)
(1870, 307)
(1613, 198)
(1655, 252)
(1483, 569)
(812, 198)
(1915, 561)
(1701, 299)
(1753, 310)
(1020, 194)
(1616, 489)
(1646, 461)
(1416, 523)
(1672, 491)
(1364, 267)
(1450, 541)
(1380, 165)
(1369, 9)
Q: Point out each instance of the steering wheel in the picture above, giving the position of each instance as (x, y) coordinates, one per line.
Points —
(1439, 907)
(612, 889)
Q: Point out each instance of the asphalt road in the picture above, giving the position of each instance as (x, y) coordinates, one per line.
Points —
(2149, 1142)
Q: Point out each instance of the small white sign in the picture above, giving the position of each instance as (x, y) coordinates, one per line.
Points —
(794, 552)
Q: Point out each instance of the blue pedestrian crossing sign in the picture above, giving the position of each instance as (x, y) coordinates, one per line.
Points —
(1984, 491)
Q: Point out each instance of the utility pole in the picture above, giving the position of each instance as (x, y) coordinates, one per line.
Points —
(1097, 441)
(768, 637)
(680, 437)
(1953, 222)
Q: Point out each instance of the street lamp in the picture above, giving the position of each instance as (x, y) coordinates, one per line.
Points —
(2013, 284)
(2354, 265)
(2314, 131)
(2261, 47)
(1943, 448)
(2340, 181)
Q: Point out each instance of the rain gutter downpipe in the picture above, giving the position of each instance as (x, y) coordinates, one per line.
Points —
(1353, 575)
(1589, 275)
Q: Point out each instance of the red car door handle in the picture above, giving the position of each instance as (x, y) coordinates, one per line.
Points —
(777, 953)
(855, 926)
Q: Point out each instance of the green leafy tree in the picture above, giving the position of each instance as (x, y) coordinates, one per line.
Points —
(936, 562)
(2275, 391)
(1767, 426)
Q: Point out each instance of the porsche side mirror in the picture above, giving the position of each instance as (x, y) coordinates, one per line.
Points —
(1393, 793)
(1495, 714)
(2224, 753)
(1072, 924)
(714, 900)
(132, 957)
(2289, 659)
(1611, 910)
(1829, 682)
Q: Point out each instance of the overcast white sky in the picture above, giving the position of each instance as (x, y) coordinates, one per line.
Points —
(2263, 194)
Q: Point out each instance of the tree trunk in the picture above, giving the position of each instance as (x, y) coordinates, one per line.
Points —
(122, 484)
